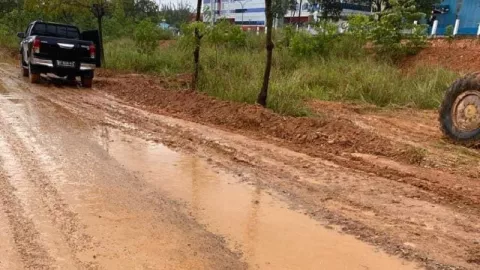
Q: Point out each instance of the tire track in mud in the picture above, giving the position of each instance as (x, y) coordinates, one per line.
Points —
(38, 174)
(10, 258)
(25, 236)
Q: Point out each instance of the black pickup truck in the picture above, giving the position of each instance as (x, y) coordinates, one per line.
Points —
(59, 49)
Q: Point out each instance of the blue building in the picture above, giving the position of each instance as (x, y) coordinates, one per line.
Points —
(467, 11)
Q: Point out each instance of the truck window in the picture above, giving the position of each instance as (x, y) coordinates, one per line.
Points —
(54, 30)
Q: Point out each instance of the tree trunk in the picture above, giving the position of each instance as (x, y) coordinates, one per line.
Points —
(262, 97)
(299, 12)
(100, 34)
(196, 52)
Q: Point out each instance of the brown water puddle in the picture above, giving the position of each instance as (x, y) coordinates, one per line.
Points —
(255, 223)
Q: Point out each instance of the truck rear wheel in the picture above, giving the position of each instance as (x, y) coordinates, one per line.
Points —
(23, 69)
(33, 77)
(87, 82)
(460, 110)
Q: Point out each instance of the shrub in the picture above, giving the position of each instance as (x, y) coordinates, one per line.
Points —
(147, 35)
(359, 26)
(449, 33)
(8, 38)
(307, 44)
(225, 33)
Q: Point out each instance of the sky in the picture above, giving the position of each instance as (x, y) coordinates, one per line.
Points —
(193, 3)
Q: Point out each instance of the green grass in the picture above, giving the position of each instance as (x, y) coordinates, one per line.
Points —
(8, 39)
(236, 74)
(121, 55)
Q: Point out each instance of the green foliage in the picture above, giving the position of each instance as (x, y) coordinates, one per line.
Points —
(166, 60)
(449, 33)
(8, 38)
(116, 27)
(146, 9)
(286, 35)
(394, 35)
(147, 35)
(176, 15)
(187, 41)
(281, 7)
(233, 75)
(425, 6)
(225, 34)
(330, 9)
(360, 26)
(306, 44)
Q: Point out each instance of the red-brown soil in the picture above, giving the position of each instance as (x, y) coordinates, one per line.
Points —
(462, 55)
(404, 146)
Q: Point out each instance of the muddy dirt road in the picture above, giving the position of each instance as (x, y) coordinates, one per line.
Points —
(90, 179)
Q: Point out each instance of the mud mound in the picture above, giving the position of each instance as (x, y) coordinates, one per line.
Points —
(458, 55)
(314, 135)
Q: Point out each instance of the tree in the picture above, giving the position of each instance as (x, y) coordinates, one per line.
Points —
(425, 6)
(281, 7)
(196, 51)
(145, 8)
(388, 33)
(299, 12)
(330, 9)
(263, 95)
(176, 15)
(292, 6)
(379, 5)
(9, 5)
(99, 9)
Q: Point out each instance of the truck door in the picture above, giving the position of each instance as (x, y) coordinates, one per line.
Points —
(92, 35)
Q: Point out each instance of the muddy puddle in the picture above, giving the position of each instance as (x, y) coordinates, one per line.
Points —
(254, 223)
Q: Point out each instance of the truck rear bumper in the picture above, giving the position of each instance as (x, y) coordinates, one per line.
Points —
(41, 62)
(49, 63)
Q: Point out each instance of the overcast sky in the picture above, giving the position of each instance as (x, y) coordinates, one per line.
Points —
(193, 3)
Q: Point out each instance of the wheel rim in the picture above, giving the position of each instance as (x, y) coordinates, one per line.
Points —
(466, 111)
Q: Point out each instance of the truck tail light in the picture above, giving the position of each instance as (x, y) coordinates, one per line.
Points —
(36, 45)
(93, 51)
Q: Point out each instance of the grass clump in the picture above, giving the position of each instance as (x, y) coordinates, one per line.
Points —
(167, 60)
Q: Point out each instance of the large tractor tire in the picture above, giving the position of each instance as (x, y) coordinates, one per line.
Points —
(460, 111)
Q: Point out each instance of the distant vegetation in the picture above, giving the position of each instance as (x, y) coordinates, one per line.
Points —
(359, 65)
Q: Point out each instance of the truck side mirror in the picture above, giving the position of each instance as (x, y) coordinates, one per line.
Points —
(20, 34)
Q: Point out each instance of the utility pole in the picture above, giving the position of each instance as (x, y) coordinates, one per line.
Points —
(242, 4)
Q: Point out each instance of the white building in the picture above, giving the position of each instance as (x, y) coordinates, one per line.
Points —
(251, 13)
